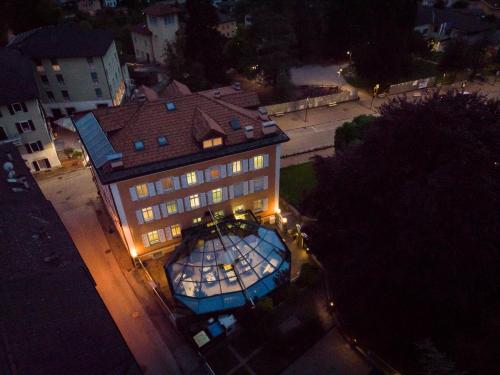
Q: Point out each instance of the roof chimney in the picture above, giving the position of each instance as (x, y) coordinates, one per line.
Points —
(217, 94)
(249, 132)
(269, 127)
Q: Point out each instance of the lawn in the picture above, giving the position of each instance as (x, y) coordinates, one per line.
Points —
(296, 182)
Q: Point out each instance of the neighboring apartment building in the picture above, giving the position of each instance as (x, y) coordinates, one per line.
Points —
(150, 39)
(22, 120)
(90, 7)
(52, 319)
(160, 165)
(227, 25)
(76, 69)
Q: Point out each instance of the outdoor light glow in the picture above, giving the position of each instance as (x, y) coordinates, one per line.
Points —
(278, 211)
(133, 252)
(285, 220)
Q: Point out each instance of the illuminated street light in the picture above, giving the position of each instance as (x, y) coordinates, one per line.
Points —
(349, 53)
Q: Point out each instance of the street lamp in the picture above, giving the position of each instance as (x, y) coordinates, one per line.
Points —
(375, 90)
(307, 107)
(349, 53)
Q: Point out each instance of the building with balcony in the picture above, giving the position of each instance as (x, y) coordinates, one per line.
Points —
(22, 119)
(161, 165)
(52, 319)
(76, 69)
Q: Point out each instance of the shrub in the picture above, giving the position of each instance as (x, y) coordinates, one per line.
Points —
(309, 275)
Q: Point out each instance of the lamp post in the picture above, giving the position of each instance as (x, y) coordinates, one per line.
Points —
(307, 108)
(375, 90)
(349, 53)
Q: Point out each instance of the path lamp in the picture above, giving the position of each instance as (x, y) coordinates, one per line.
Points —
(375, 91)
(349, 53)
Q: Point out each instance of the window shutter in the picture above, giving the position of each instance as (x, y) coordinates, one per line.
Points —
(251, 186)
(161, 235)
(180, 206)
(163, 208)
(177, 184)
(209, 197)
(11, 109)
(187, 205)
(151, 189)
(199, 175)
(231, 192)
(145, 240)
(24, 107)
(207, 174)
(266, 160)
(168, 232)
(222, 168)
(250, 164)
(245, 188)
(133, 193)
(203, 200)
(156, 211)
(224, 194)
(244, 166)
(140, 218)
(19, 129)
(265, 182)
(159, 187)
(264, 204)
(229, 169)
(32, 126)
(184, 181)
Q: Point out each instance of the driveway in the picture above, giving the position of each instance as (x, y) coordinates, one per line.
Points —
(73, 194)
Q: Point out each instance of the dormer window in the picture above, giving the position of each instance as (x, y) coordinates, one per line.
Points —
(162, 141)
(212, 142)
(139, 145)
(170, 106)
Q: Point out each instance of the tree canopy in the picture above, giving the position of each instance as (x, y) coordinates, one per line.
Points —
(408, 225)
(352, 131)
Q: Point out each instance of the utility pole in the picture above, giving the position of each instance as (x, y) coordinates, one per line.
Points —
(307, 108)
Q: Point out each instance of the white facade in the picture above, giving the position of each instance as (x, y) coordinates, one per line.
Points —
(24, 125)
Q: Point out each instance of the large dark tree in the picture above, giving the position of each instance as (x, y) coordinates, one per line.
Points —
(378, 31)
(199, 48)
(408, 228)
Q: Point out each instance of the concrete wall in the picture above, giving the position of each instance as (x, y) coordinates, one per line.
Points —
(319, 101)
(41, 133)
(162, 34)
(129, 206)
(143, 47)
(412, 85)
(114, 76)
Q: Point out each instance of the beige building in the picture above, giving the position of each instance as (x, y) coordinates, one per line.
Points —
(90, 7)
(22, 120)
(227, 25)
(160, 166)
(76, 69)
(150, 39)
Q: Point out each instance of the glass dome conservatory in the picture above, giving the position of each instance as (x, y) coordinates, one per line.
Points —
(225, 265)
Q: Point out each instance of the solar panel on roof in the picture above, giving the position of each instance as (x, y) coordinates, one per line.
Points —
(235, 123)
(170, 106)
(95, 140)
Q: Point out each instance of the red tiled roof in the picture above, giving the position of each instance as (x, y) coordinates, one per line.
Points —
(151, 95)
(147, 121)
(160, 9)
(245, 99)
(175, 89)
(203, 125)
(141, 29)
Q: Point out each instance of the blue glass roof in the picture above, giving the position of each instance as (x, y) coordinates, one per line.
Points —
(95, 140)
(225, 269)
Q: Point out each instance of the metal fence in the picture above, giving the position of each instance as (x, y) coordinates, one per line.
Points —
(319, 101)
(417, 84)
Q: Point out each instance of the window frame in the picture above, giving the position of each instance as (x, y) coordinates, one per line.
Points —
(169, 205)
(175, 230)
(237, 170)
(217, 196)
(139, 189)
(171, 184)
(196, 199)
(258, 162)
(156, 237)
(191, 178)
(148, 214)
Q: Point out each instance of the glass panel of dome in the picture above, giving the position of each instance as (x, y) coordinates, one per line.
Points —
(254, 258)
(244, 248)
(252, 240)
(265, 248)
(275, 259)
(209, 259)
(230, 285)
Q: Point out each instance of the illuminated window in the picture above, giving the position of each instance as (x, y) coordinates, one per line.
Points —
(55, 65)
(172, 207)
(147, 214)
(236, 167)
(153, 237)
(191, 178)
(197, 220)
(215, 173)
(217, 195)
(142, 190)
(194, 201)
(176, 230)
(219, 214)
(258, 162)
(168, 183)
(258, 205)
(213, 142)
(238, 209)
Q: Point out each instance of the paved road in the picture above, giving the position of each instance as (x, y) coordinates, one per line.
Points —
(73, 195)
(331, 355)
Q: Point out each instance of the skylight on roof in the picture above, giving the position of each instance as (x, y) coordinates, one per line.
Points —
(170, 106)
(139, 145)
(162, 140)
(235, 123)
